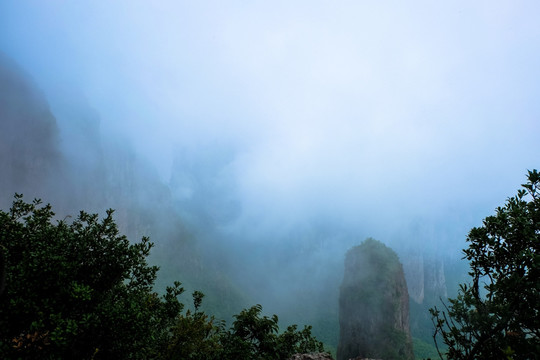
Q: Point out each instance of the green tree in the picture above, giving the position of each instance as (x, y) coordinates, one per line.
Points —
(497, 315)
(195, 335)
(251, 337)
(256, 337)
(78, 290)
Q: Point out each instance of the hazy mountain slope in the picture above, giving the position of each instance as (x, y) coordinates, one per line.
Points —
(30, 160)
(74, 167)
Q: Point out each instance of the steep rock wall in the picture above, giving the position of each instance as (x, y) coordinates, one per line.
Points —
(29, 137)
(374, 305)
(425, 277)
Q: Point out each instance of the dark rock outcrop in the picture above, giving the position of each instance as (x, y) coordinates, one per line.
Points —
(313, 356)
(374, 305)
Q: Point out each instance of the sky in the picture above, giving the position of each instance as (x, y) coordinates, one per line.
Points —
(376, 114)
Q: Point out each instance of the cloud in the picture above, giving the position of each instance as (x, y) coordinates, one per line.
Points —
(349, 109)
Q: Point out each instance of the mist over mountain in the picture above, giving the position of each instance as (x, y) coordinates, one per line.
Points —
(294, 270)
(74, 168)
(256, 143)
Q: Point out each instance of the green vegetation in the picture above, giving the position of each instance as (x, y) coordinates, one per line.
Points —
(424, 350)
(81, 290)
(497, 316)
(252, 336)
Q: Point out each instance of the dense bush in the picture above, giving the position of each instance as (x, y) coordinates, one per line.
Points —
(81, 290)
(78, 290)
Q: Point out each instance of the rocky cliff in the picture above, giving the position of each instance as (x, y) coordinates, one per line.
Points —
(425, 277)
(374, 305)
(63, 158)
(313, 356)
(430, 278)
(71, 169)
(30, 160)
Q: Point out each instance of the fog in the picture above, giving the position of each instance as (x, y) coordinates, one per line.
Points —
(308, 123)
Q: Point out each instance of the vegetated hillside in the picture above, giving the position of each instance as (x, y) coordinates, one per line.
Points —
(76, 168)
(374, 305)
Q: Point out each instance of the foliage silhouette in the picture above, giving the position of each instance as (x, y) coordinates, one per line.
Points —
(81, 290)
(497, 315)
(78, 290)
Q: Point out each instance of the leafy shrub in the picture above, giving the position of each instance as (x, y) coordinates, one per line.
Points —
(497, 315)
(78, 290)
(81, 290)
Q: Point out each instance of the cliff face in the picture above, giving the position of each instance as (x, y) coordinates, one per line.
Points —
(29, 136)
(313, 356)
(374, 305)
(425, 277)
(70, 166)
(64, 159)
(430, 277)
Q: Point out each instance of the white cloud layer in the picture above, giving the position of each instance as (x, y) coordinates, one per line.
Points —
(381, 109)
